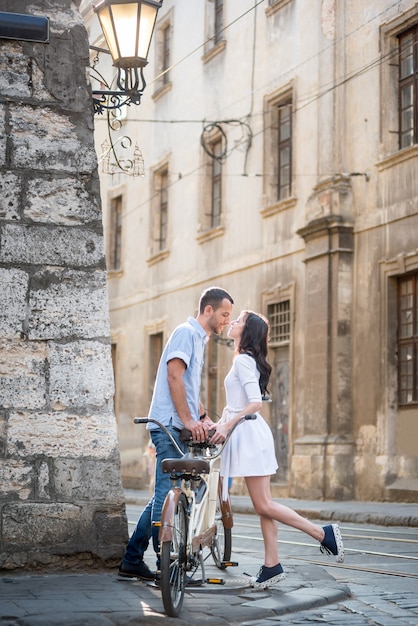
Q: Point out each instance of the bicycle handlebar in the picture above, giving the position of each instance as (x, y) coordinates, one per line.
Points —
(147, 420)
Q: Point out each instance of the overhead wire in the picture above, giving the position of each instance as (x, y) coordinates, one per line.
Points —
(290, 71)
(309, 99)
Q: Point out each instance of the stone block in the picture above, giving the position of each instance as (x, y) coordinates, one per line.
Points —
(16, 479)
(60, 435)
(62, 201)
(22, 375)
(66, 303)
(38, 524)
(80, 375)
(15, 75)
(42, 531)
(87, 479)
(9, 196)
(14, 287)
(40, 245)
(49, 141)
(112, 528)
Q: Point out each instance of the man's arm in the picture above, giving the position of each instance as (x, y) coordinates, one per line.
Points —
(175, 372)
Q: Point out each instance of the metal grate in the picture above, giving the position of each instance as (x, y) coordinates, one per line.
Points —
(279, 318)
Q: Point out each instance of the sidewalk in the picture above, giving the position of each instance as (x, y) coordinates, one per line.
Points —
(353, 511)
(101, 599)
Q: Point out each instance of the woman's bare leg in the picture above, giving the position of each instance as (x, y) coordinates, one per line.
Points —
(271, 512)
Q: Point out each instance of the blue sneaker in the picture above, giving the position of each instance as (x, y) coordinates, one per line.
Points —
(268, 576)
(333, 542)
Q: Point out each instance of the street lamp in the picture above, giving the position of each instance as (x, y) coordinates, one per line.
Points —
(128, 28)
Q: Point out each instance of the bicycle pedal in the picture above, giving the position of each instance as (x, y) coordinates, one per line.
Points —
(230, 564)
(215, 581)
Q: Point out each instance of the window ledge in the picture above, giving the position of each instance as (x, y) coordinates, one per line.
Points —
(156, 258)
(278, 207)
(208, 235)
(279, 344)
(158, 93)
(115, 273)
(213, 52)
(398, 157)
(276, 6)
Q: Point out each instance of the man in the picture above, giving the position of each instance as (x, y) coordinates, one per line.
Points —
(176, 404)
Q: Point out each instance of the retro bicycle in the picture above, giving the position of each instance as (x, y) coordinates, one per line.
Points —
(193, 517)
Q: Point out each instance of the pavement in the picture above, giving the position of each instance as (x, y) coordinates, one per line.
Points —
(102, 599)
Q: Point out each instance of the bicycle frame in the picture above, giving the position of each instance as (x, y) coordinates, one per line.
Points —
(201, 512)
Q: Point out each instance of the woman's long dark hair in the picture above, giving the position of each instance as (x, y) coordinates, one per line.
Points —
(254, 342)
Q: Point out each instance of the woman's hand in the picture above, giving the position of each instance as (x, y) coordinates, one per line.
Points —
(221, 432)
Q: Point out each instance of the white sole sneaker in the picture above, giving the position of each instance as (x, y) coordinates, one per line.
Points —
(267, 583)
(339, 557)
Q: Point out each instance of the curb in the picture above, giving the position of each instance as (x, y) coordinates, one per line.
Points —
(332, 513)
(301, 600)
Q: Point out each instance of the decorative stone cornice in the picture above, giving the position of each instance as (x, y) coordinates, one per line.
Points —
(325, 224)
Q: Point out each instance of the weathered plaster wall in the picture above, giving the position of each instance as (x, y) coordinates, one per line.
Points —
(61, 500)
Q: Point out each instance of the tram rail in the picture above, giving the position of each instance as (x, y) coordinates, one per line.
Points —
(351, 533)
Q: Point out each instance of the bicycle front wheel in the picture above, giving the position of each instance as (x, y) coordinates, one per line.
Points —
(173, 562)
(222, 542)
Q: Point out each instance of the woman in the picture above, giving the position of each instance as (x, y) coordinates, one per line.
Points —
(250, 450)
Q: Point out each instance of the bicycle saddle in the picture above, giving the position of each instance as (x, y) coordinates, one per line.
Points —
(185, 465)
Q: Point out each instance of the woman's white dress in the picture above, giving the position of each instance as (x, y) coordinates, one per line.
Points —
(250, 449)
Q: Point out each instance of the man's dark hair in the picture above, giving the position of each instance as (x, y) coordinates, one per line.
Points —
(213, 296)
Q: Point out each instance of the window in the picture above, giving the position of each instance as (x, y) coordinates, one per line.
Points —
(114, 258)
(113, 349)
(278, 303)
(278, 152)
(212, 382)
(216, 204)
(163, 55)
(166, 53)
(159, 220)
(408, 88)
(114, 355)
(284, 150)
(211, 210)
(163, 212)
(155, 352)
(408, 339)
(215, 41)
(278, 315)
(218, 20)
(399, 84)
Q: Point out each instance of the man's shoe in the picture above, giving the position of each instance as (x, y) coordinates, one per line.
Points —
(333, 542)
(268, 576)
(137, 570)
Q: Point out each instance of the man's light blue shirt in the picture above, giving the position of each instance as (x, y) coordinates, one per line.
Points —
(187, 342)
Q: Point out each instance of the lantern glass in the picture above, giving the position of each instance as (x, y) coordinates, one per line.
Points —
(128, 28)
(147, 23)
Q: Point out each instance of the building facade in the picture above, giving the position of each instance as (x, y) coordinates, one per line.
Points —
(280, 147)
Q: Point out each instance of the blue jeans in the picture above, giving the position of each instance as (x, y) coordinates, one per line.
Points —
(144, 530)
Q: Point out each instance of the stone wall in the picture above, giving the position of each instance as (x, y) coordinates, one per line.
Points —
(61, 499)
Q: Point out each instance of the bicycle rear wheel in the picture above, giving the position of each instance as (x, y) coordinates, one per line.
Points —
(173, 562)
(222, 542)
